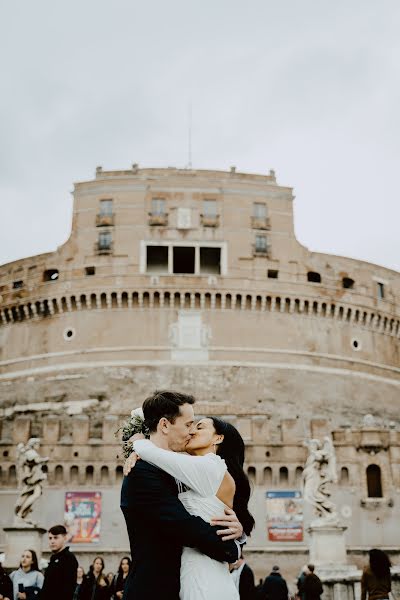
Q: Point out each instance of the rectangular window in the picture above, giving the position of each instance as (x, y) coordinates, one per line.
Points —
(157, 259)
(259, 210)
(90, 270)
(18, 284)
(273, 274)
(210, 261)
(210, 208)
(106, 208)
(183, 259)
(158, 206)
(261, 243)
(381, 290)
(105, 240)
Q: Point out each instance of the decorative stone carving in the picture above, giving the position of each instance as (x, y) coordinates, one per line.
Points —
(319, 472)
(30, 477)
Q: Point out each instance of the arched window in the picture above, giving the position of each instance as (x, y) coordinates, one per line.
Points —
(58, 475)
(89, 475)
(74, 474)
(299, 476)
(344, 476)
(267, 476)
(283, 476)
(119, 473)
(12, 476)
(374, 481)
(251, 474)
(104, 478)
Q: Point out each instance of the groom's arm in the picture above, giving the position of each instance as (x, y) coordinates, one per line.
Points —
(163, 506)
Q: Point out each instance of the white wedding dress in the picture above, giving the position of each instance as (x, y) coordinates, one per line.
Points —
(202, 578)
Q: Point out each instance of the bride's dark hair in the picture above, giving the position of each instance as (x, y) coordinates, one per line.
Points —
(231, 449)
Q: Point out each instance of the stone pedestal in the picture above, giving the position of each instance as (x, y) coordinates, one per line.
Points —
(20, 538)
(327, 545)
(340, 580)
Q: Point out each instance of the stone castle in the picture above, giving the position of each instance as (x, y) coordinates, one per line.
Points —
(194, 280)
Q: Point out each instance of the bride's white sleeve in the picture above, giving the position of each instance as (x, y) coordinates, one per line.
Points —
(203, 474)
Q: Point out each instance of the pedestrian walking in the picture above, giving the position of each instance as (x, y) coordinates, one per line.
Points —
(312, 586)
(274, 586)
(376, 580)
(60, 577)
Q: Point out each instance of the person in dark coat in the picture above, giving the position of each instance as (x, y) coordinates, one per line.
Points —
(312, 586)
(60, 577)
(121, 577)
(6, 588)
(158, 524)
(274, 587)
(95, 585)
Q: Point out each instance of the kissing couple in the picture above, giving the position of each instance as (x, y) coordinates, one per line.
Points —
(184, 503)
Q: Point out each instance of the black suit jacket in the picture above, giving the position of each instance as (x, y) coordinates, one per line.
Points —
(158, 527)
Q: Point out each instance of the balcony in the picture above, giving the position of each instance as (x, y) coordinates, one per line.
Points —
(260, 223)
(103, 248)
(158, 219)
(104, 220)
(209, 220)
(261, 251)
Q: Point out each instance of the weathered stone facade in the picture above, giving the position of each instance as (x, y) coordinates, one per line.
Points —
(194, 280)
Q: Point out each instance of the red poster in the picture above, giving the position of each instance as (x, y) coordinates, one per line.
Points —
(83, 516)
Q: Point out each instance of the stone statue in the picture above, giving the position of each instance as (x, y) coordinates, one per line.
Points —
(319, 472)
(30, 477)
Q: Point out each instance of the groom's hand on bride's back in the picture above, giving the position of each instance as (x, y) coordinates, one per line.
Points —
(232, 528)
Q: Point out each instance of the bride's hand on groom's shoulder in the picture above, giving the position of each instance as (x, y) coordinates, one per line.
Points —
(233, 529)
(130, 463)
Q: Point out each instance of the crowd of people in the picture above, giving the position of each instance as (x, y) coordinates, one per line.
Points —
(64, 579)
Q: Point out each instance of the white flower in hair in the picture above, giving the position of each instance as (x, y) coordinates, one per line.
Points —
(138, 412)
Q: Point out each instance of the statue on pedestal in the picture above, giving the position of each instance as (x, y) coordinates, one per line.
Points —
(31, 478)
(319, 472)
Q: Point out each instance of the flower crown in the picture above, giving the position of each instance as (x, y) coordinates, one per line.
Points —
(135, 424)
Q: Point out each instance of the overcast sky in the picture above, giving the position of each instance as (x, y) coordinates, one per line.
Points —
(310, 88)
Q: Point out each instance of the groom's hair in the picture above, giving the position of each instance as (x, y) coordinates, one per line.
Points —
(163, 404)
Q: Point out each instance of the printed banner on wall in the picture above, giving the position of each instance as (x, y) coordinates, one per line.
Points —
(284, 516)
(83, 516)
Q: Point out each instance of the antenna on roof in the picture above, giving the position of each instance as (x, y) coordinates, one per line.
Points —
(189, 165)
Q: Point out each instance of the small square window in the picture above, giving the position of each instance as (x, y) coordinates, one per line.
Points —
(348, 283)
(106, 207)
(210, 208)
(105, 240)
(273, 274)
(158, 206)
(261, 243)
(90, 270)
(259, 210)
(314, 277)
(18, 284)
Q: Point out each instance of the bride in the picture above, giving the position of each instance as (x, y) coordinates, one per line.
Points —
(212, 473)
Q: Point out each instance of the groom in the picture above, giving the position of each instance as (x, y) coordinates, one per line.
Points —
(157, 522)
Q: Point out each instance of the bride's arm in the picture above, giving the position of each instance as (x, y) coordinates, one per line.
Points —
(200, 473)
